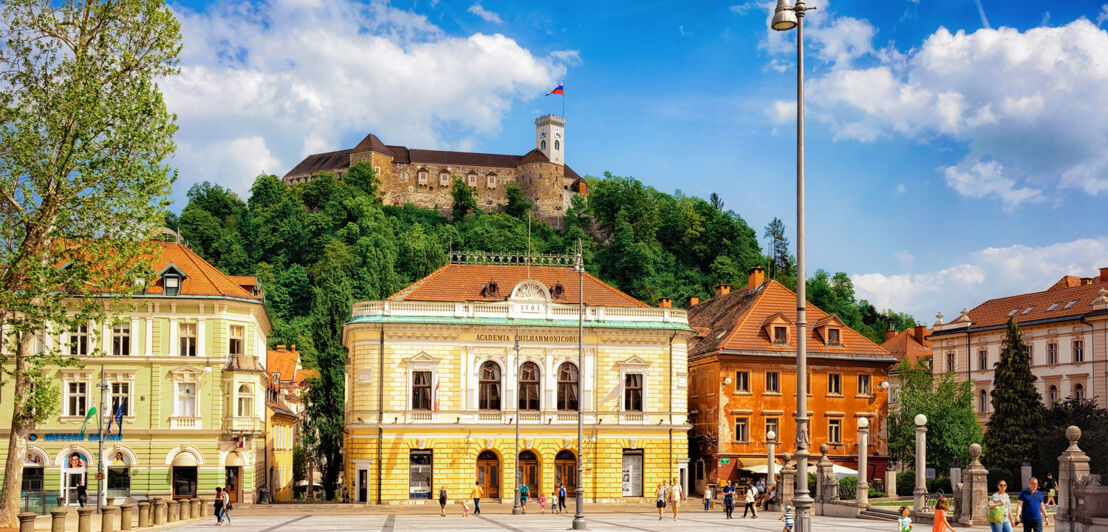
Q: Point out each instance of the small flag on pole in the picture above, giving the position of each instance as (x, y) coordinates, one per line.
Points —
(557, 90)
(111, 417)
(119, 416)
(436, 397)
(88, 416)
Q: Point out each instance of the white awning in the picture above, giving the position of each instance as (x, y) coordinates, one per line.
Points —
(840, 471)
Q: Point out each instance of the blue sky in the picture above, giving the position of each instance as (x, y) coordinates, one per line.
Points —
(955, 148)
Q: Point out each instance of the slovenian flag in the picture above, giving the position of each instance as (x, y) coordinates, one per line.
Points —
(557, 90)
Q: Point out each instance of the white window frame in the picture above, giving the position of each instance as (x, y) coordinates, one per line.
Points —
(231, 329)
(120, 332)
(634, 365)
(837, 379)
(245, 399)
(182, 337)
(127, 378)
(835, 430)
(1052, 353)
(186, 376)
(76, 378)
(82, 332)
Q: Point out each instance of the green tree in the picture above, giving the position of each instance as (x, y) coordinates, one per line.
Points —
(464, 201)
(361, 176)
(951, 422)
(1051, 440)
(299, 468)
(83, 181)
(779, 262)
(716, 201)
(1017, 414)
(518, 205)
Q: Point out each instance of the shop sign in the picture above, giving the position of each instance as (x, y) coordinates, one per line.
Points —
(724, 461)
(74, 436)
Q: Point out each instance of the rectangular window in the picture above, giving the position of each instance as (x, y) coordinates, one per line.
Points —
(76, 398)
(420, 469)
(773, 382)
(835, 431)
(187, 332)
(833, 337)
(186, 399)
(863, 385)
(771, 426)
(632, 392)
(472, 180)
(950, 361)
(982, 360)
(172, 284)
(742, 382)
(403, 176)
(834, 384)
(1078, 351)
(742, 429)
(780, 335)
(422, 178)
(1052, 353)
(78, 341)
(492, 181)
(238, 334)
(421, 390)
(121, 340)
(121, 398)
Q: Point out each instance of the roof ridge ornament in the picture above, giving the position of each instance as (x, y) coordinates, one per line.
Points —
(487, 258)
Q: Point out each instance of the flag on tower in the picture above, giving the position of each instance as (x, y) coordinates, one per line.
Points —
(557, 90)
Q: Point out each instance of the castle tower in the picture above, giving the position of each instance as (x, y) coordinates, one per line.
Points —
(550, 137)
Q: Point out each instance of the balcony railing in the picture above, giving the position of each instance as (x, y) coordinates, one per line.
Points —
(495, 417)
(242, 424)
(504, 309)
(184, 422)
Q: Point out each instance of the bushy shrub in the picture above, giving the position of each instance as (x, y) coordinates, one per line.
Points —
(848, 488)
(934, 485)
(905, 483)
(874, 494)
(998, 474)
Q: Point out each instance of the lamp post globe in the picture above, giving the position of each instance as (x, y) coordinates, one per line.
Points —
(771, 436)
(784, 18)
(863, 423)
(921, 420)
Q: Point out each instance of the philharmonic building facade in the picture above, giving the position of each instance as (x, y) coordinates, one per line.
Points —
(436, 372)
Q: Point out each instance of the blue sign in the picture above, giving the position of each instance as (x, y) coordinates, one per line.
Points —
(73, 436)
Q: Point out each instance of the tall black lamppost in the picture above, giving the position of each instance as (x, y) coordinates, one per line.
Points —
(579, 267)
(787, 17)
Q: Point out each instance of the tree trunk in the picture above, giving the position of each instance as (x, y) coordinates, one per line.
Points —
(22, 424)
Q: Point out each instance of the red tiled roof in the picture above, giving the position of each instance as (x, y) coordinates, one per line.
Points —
(371, 142)
(905, 345)
(283, 362)
(996, 311)
(202, 279)
(463, 282)
(321, 162)
(735, 323)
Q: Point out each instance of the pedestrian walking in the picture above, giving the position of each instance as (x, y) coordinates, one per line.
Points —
(1048, 486)
(789, 519)
(554, 501)
(904, 522)
(476, 498)
(562, 496)
(542, 504)
(218, 506)
(442, 501)
(941, 524)
(227, 506)
(1000, 509)
(707, 497)
(1031, 510)
(82, 493)
(660, 495)
(465, 508)
(676, 493)
(750, 497)
(729, 499)
(524, 492)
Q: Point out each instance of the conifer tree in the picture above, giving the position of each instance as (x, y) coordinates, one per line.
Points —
(1017, 406)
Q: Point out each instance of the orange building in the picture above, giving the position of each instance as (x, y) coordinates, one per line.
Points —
(742, 383)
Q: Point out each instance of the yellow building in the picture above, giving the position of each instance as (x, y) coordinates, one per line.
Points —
(435, 374)
(284, 408)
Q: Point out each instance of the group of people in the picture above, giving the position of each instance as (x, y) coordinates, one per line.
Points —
(223, 505)
(755, 497)
(669, 495)
(1030, 510)
(557, 500)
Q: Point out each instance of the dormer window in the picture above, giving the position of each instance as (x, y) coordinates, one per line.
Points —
(833, 337)
(172, 284)
(780, 335)
(1054, 306)
(1028, 309)
(1070, 304)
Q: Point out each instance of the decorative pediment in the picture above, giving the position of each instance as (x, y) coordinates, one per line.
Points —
(421, 361)
(634, 362)
(173, 270)
(186, 374)
(530, 290)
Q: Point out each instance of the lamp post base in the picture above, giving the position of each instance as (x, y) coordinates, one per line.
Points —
(516, 510)
(580, 524)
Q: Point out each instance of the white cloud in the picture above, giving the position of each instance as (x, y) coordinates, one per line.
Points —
(1032, 103)
(985, 274)
(567, 57)
(263, 85)
(904, 258)
(486, 15)
(1103, 15)
(901, 188)
(743, 8)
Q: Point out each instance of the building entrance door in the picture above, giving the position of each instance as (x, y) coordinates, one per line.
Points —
(363, 485)
(565, 471)
(530, 474)
(488, 474)
(234, 483)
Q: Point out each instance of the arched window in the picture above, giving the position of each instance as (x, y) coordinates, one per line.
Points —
(245, 401)
(557, 145)
(1052, 394)
(1078, 391)
(489, 387)
(567, 386)
(529, 386)
(982, 401)
(542, 145)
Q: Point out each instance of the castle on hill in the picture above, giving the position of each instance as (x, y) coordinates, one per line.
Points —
(424, 177)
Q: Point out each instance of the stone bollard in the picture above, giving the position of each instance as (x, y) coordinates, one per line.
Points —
(975, 491)
(198, 508)
(160, 509)
(84, 519)
(174, 510)
(890, 482)
(1073, 468)
(57, 519)
(107, 518)
(126, 511)
(144, 514)
(186, 510)
(27, 521)
(827, 484)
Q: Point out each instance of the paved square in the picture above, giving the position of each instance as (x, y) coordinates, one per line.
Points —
(538, 523)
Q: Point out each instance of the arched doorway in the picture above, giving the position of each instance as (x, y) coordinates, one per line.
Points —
(530, 474)
(184, 475)
(488, 474)
(233, 473)
(565, 470)
(74, 473)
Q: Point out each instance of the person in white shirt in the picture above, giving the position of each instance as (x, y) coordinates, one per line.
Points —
(675, 496)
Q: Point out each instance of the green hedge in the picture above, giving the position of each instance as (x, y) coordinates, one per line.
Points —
(906, 483)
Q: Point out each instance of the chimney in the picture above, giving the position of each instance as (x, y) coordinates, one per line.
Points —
(1103, 275)
(921, 334)
(665, 302)
(694, 300)
(723, 289)
(756, 277)
(293, 348)
(890, 332)
(280, 347)
(1085, 281)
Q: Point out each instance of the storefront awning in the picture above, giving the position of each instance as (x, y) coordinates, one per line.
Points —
(184, 459)
(759, 466)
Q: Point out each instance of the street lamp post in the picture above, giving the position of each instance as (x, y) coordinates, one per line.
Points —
(579, 266)
(516, 510)
(862, 493)
(787, 17)
(921, 463)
